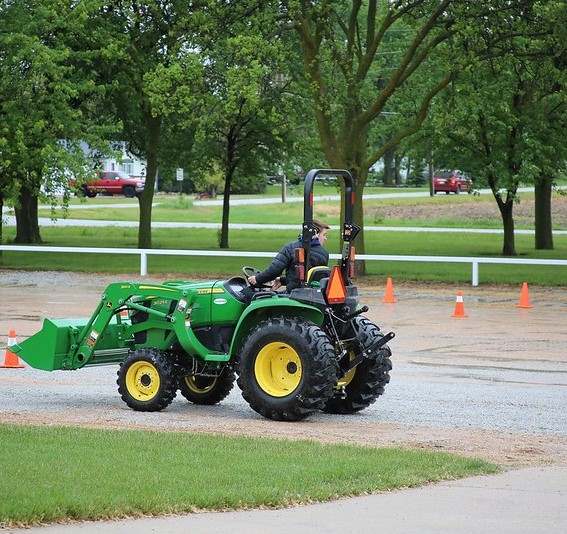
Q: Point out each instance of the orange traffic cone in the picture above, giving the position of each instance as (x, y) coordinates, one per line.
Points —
(459, 306)
(389, 297)
(524, 297)
(11, 361)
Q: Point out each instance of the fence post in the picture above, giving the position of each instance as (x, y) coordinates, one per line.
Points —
(475, 273)
(143, 264)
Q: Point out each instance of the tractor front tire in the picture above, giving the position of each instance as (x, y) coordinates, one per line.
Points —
(366, 382)
(286, 368)
(147, 380)
(206, 390)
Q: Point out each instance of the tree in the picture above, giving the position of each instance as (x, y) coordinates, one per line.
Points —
(344, 47)
(46, 97)
(503, 113)
(138, 43)
(245, 128)
(546, 122)
(549, 118)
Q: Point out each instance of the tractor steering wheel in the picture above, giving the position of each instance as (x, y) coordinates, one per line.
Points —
(252, 271)
(249, 271)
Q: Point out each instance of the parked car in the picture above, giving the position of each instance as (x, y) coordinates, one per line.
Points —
(451, 182)
(113, 183)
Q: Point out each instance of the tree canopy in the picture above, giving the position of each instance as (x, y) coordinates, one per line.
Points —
(240, 89)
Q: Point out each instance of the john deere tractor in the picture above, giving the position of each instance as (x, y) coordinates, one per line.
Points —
(294, 353)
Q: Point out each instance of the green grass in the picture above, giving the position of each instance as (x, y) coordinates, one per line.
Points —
(99, 199)
(57, 473)
(271, 191)
(182, 209)
(403, 243)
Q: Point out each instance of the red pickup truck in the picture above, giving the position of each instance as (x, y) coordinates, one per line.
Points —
(451, 182)
(113, 183)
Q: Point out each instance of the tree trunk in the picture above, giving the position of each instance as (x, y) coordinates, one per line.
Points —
(153, 125)
(506, 210)
(223, 239)
(397, 169)
(389, 167)
(543, 223)
(359, 176)
(27, 226)
(430, 175)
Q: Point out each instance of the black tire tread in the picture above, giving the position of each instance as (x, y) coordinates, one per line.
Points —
(223, 386)
(319, 386)
(168, 380)
(371, 376)
(129, 191)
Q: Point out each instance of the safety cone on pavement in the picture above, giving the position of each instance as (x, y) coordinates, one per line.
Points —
(11, 361)
(389, 297)
(459, 306)
(524, 297)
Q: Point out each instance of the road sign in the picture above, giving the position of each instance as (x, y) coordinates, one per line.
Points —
(179, 175)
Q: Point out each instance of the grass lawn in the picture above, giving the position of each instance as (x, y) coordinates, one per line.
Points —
(404, 243)
(57, 473)
(181, 209)
(271, 191)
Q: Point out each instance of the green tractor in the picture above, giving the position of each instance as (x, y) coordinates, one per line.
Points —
(294, 353)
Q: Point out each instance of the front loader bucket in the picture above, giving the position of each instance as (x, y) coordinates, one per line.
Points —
(50, 349)
(50, 346)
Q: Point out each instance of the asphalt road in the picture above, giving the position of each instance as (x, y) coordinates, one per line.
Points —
(500, 369)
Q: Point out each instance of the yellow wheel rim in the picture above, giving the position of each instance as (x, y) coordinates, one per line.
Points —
(278, 369)
(191, 382)
(347, 379)
(142, 381)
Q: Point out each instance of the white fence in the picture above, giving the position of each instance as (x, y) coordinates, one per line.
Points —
(144, 253)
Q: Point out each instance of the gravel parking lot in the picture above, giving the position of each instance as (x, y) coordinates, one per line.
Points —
(492, 385)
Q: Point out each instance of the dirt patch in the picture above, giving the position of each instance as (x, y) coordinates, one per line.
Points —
(504, 448)
(475, 209)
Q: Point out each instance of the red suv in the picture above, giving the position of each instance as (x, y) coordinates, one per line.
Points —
(451, 182)
(113, 183)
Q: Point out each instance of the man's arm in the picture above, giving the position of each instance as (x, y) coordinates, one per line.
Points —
(278, 265)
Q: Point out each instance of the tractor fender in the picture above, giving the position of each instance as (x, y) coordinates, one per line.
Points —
(261, 309)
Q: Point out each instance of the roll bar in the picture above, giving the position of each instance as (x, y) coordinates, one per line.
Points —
(349, 230)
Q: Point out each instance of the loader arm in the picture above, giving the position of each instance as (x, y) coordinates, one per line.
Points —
(72, 344)
(119, 296)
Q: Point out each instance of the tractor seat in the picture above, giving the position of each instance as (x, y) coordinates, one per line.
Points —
(316, 274)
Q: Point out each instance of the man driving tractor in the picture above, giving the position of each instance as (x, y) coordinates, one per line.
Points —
(285, 260)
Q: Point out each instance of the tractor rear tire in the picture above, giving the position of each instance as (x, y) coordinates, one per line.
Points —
(147, 380)
(370, 377)
(206, 390)
(287, 368)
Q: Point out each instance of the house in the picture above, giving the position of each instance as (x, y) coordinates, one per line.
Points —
(125, 162)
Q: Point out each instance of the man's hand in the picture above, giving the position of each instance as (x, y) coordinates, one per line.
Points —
(252, 280)
(276, 284)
